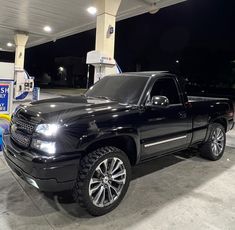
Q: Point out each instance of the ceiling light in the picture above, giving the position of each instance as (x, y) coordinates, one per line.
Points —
(153, 9)
(61, 69)
(47, 29)
(92, 10)
(9, 44)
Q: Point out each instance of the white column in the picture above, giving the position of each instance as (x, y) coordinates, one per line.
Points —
(106, 19)
(20, 43)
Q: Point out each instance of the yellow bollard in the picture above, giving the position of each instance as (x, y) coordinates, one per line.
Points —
(4, 125)
(5, 117)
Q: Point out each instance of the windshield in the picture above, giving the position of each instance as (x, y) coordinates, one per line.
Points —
(124, 89)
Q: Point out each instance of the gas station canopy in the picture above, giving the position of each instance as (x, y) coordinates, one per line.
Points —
(50, 20)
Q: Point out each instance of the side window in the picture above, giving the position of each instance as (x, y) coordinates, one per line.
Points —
(166, 87)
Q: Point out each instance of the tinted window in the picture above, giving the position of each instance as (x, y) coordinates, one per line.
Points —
(166, 87)
(124, 89)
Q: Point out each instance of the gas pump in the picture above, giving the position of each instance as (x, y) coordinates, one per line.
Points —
(14, 84)
(103, 64)
(23, 84)
(6, 95)
(6, 87)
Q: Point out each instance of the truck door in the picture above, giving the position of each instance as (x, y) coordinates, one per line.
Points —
(165, 128)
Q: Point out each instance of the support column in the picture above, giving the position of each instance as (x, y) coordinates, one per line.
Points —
(20, 43)
(105, 28)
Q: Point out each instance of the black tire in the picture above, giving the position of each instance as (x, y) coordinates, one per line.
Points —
(88, 167)
(207, 148)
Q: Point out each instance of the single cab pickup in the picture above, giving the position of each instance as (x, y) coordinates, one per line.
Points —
(88, 143)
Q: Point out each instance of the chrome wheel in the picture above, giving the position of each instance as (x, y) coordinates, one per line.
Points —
(107, 182)
(218, 141)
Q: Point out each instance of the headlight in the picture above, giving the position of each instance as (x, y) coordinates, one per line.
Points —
(48, 129)
(45, 146)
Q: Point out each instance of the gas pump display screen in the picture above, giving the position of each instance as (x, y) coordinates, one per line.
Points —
(4, 97)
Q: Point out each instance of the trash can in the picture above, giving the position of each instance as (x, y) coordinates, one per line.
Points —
(1, 133)
(36, 93)
(4, 125)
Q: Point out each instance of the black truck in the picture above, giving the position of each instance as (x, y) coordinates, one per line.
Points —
(88, 143)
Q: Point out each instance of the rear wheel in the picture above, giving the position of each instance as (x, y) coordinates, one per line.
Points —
(214, 148)
(103, 180)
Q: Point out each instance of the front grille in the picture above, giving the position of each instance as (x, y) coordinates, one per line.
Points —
(20, 139)
(21, 129)
(23, 125)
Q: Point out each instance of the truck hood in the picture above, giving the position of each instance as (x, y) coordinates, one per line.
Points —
(71, 106)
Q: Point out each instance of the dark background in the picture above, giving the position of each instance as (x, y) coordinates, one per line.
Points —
(200, 34)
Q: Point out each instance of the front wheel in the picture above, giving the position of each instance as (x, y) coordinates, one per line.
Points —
(214, 148)
(103, 180)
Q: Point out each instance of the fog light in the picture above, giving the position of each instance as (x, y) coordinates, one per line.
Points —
(45, 146)
(32, 182)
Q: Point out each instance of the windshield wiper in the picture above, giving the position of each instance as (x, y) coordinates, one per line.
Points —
(106, 98)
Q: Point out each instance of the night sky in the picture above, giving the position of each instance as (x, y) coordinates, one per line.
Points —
(198, 33)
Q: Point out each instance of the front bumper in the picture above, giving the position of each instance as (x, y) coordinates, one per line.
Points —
(49, 174)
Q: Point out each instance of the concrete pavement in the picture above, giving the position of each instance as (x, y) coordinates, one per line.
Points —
(176, 192)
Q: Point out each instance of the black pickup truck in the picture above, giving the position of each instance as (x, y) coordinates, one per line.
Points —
(88, 143)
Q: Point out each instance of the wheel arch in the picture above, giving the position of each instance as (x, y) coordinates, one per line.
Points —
(126, 143)
(222, 121)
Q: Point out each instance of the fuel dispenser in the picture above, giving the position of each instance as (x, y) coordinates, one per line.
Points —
(6, 87)
(23, 85)
(103, 64)
(15, 84)
(6, 96)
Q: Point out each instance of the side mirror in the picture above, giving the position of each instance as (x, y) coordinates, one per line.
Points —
(160, 101)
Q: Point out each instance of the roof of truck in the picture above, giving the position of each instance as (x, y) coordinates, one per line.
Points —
(146, 74)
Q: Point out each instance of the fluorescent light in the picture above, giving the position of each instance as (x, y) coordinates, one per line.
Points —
(92, 10)
(9, 44)
(47, 29)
